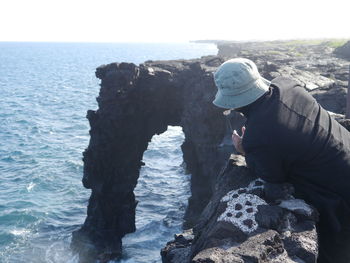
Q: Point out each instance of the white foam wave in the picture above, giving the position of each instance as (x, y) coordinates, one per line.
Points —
(20, 232)
(30, 186)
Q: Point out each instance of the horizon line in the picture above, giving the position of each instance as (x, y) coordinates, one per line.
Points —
(197, 41)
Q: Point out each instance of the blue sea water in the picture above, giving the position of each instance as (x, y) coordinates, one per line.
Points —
(45, 91)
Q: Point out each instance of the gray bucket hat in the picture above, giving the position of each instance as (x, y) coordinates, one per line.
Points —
(239, 84)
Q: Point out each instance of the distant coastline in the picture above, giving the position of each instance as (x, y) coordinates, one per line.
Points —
(304, 41)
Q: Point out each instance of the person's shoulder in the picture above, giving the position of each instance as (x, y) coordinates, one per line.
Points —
(285, 82)
(289, 89)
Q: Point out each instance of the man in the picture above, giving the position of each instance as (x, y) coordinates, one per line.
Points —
(289, 137)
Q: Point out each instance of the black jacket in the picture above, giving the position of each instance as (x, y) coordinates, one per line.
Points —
(290, 138)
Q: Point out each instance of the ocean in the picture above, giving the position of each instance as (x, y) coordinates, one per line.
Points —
(46, 89)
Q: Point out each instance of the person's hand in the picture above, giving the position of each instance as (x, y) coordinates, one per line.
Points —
(237, 140)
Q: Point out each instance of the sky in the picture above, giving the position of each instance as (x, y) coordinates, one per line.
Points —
(171, 21)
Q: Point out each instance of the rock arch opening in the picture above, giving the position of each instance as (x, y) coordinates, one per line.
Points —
(162, 192)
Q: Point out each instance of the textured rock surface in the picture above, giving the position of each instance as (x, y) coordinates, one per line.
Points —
(238, 225)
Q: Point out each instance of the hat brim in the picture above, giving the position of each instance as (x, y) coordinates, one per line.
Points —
(255, 91)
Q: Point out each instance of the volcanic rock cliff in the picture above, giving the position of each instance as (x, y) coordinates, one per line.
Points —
(137, 102)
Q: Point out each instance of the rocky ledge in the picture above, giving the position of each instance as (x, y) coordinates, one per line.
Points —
(248, 220)
(137, 102)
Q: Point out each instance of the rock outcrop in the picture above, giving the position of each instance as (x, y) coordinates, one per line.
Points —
(343, 51)
(137, 102)
(245, 222)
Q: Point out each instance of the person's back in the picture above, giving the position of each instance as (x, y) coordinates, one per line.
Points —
(289, 137)
(292, 127)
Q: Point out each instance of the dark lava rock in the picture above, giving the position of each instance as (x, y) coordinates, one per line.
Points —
(238, 207)
(273, 234)
(343, 51)
(178, 250)
(250, 210)
(239, 214)
(302, 245)
(241, 191)
(254, 249)
(248, 222)
(224, 231)
(258, 192)
(248, 203)
(270, 217)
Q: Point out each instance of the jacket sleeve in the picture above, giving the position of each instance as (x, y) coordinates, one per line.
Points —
(266, 164)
